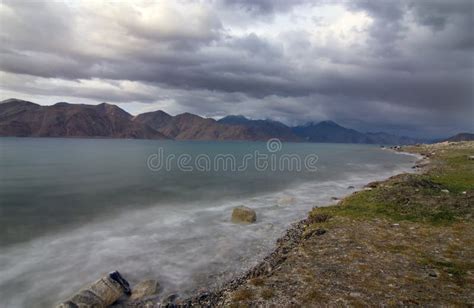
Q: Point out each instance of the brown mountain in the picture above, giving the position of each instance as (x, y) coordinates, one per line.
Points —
(26, 119)
(22, 118)
(187, 126)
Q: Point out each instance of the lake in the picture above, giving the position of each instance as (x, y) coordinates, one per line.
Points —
(75, 209)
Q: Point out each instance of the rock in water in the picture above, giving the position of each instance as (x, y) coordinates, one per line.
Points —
(286, 200)
(102, 293)
(243, 214)
(145, 289)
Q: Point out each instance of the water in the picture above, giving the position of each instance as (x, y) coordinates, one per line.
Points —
(74, 209)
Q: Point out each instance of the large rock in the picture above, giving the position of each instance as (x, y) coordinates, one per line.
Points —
(243, 214)
(145, 289)
(101, 293)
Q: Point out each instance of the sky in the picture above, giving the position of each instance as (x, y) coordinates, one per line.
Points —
(404, 67)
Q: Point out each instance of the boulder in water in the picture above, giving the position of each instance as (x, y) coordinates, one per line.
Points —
(243, 214)
(102, 293)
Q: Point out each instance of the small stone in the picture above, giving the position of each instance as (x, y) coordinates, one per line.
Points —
(145, 289)
(445, 191)
(334, 198)
(243, 214)
(319, 232)
(203, 295)
(433, 274)
(372, 184)
(170, 299)
(396, 225)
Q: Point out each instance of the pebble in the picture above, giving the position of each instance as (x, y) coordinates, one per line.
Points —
(433, 274)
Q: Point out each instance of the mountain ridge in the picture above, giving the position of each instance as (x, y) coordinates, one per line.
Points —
(22, 118)
(461, 137)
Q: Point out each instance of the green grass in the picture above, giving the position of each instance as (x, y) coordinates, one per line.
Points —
(457, 173)
(373, 204)
(415, 197)
(455, 270)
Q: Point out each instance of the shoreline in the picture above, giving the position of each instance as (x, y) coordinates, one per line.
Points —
(357, 239)
(292, 236)
(242, 289)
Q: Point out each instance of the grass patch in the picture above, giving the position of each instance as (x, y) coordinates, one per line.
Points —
(267, 293)
(415, 197)
(242, 295)
(314, 296)
(401, 203)
(455, 270)
(257, 281)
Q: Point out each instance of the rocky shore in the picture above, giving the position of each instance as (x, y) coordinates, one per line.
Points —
(408, 240)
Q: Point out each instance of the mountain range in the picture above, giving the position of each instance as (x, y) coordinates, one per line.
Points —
(26, 119)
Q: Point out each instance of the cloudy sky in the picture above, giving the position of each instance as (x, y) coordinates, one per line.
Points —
(398, 66)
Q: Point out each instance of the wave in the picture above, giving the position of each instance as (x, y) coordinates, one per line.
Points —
(184, 247)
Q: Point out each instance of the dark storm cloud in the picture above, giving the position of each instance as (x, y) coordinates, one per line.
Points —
(416, 59)
(259, 7)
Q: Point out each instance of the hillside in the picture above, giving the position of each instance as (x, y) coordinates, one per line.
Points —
(262, 129)
(329, 131)
(26, 119)
(461, 137)
(187, 126)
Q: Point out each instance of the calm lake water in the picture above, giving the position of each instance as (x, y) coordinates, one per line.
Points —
(74, 209)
